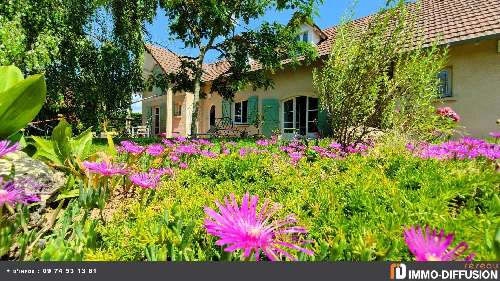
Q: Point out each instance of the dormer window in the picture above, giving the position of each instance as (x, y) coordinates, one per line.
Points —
(304, 37)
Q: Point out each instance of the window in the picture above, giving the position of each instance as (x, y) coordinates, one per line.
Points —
(177, 109)
(241, 112)
(300, 115)
(444, 77)
(304, 37)
(157, 121)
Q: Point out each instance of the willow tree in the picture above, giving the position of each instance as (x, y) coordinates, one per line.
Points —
(228, 27)
(91, 52)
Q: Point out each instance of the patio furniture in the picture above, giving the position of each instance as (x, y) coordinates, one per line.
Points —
(140, 131)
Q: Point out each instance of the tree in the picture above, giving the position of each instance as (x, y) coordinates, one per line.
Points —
(379, 77)
(91, 52)
(225, 27)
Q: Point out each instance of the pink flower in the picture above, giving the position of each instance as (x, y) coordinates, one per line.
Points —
(295, 156)
(6, 147)
(104, 168)
(449, 113)
(183, 165)
(155, 149)
(145, 180)
(433, 247)
(263, 142)
(131, 147)
(11, 195)
(243, 228)
(162, 171)
(495, 135)
(174, 158)
(208, 154)
(168, 142)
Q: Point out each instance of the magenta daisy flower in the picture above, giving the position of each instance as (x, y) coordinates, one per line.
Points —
(243, 228)
(145, 180)
(162, 171)
(11, 195)
(104, 168)
(6, 147)
(155, 149)
(434, 247)
(131, 147)
(495, 135)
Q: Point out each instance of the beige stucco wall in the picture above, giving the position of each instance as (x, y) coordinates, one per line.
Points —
(475, 71)
(287, 84)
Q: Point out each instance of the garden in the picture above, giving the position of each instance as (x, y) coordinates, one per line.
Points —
(395, 178)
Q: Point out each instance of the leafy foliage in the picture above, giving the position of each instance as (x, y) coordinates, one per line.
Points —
(380, 77)
(225, 27)
(20, 99)
(90, 51)
(63, 150)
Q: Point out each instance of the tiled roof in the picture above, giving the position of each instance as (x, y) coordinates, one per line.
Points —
(167, 59)
(451, 21)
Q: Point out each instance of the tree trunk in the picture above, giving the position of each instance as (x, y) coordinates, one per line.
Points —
(196, 93)
(196, 101)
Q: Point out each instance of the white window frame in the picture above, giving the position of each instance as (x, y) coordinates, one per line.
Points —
(240, 104)
(156, 122)
(294, 128)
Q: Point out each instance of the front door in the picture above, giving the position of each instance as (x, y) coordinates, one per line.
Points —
(300, 117)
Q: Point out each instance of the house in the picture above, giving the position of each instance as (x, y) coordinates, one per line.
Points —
(471, 79)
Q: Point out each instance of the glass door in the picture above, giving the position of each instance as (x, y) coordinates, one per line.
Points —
(300, 117)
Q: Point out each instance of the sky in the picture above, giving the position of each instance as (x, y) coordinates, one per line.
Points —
(330, 13)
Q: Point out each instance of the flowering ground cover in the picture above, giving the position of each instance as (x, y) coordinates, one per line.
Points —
(202, 200)
(269, 199)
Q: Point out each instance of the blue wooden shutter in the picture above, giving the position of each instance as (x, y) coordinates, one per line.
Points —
(271, 115)
(323, 123)
(252, 109)
(226, 109)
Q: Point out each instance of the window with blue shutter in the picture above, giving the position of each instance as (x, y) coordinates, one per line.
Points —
(444, 83)
(241, 112)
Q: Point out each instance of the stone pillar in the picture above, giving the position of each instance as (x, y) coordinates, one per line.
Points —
(188, 113)
(169, 112)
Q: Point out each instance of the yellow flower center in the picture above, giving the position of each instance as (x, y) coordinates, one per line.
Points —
(432, 257)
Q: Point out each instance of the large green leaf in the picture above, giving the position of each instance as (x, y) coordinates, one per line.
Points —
(45, 151)
(61, 139)
(82, 144)
(10, 75)
(21, 103)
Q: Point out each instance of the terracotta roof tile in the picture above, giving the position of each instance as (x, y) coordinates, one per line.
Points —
(451, 21)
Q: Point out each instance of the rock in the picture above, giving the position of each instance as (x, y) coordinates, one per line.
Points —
(34, 175)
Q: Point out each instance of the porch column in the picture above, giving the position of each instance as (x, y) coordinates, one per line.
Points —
(169, 112)
(188, 113)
